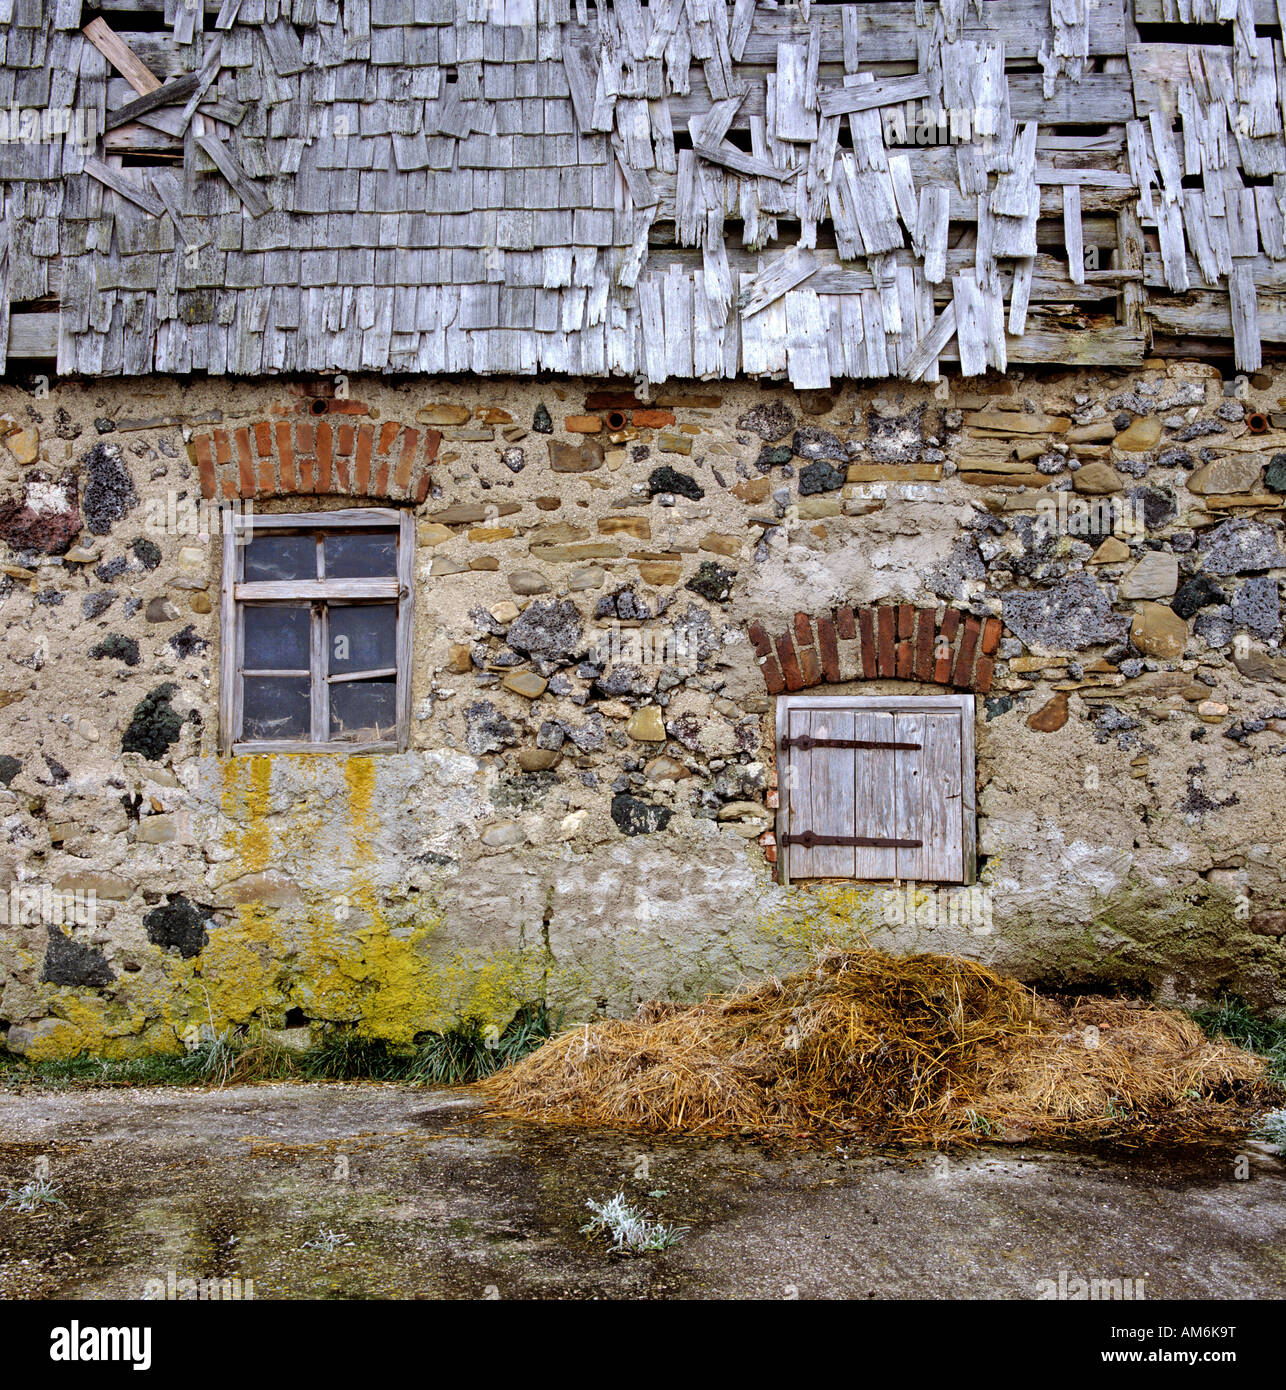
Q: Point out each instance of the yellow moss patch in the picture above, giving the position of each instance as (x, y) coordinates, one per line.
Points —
(359, 777)
(818, 915)
(246, 799)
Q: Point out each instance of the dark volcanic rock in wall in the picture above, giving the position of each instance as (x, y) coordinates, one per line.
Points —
(1215, 629)
(549, 628)
(10, 767)
(812, 443)
(1197, 593)
(96, 604)
(947, 579)
(897, 438)
(111, 569)
(1240, 546)
(178, 925)
(630, 607)
(186, 643)
(487, 730)
(820, 477)
(1074, 614)
(712, 582)
(68, 962)
(771, 421)
(696, 634)
(146, 552)
(1257, 606)
(626, 679)
(1157, 506)
(155, 725)
(120, 647)
(64, 426)
(773, 456)
(635, 817)
(667, 479)
(109, 493)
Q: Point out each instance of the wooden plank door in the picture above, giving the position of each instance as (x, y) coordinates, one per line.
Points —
(820, 791)
(929, 798)
(874, 804)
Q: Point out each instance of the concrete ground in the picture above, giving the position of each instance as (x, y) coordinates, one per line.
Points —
(428, 1198)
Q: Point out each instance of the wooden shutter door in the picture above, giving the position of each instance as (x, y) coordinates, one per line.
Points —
(929, 798)
(874, 800)
(924, 793)
(820, 792)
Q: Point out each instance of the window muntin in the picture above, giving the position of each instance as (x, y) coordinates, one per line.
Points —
(316, 632)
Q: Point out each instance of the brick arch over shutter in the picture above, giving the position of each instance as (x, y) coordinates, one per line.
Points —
(315, 452)
(897, 641)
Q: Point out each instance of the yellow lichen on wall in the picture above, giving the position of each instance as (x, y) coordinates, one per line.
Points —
(339, 956)
(359, 778)
(817, 915)
(141, 1020)
(245, 803)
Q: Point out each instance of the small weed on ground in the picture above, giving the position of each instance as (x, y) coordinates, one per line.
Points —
(628, 1229)
(33, 1195)
(1273, 1129)
(327, 1240)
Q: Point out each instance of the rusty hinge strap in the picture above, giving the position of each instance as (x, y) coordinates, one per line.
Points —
(805, 742)
(810, 838)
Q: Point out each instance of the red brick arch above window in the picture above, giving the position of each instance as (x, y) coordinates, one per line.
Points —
(889, 641)
(323, 454)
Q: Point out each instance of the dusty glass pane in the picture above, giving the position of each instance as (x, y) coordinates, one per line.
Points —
(361, 555)
(276, 637)
(275, 707)
(363, 711)
(281, 557)
(363, 637)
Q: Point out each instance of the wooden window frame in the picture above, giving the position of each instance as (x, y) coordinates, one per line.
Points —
(236, 592)
(963, 705)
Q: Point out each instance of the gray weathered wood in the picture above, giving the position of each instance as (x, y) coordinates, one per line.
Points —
(121, 183)
(1245, 318)
(932, 345)
(1072, 233)
(794, 121)
(781, 274)
(309, 589)
(229, 725)
(344, 518)
(828, 809)
(742, 163)
(319, 687)
(33, 336)
(839, 101)
(1020, 295)
(175, 90)
(929, 798)
(252, 196)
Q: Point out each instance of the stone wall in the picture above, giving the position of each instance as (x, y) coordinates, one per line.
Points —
(610, 593)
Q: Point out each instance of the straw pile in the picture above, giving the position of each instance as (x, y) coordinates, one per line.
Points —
(921, 1049)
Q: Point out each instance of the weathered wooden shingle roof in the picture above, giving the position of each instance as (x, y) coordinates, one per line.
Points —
(674, 190)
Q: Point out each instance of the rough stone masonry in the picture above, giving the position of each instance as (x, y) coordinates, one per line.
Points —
(590, 825)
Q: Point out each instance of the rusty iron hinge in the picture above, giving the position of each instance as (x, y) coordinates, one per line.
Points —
(804, 742)
(810, 838)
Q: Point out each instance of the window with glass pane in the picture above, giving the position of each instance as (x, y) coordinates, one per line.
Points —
(317, 631)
